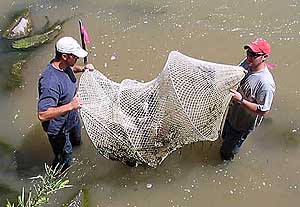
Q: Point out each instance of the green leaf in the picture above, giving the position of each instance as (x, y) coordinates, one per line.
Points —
(43, 186)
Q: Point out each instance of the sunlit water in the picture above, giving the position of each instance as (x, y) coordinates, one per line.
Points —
(131, 39)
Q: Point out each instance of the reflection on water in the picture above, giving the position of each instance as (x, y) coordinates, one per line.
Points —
(131, 39)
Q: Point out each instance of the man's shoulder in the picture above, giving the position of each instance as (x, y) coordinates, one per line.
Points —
(47, 70)
(266, 81)
(268, 77)
(264, 75)
(48, 74)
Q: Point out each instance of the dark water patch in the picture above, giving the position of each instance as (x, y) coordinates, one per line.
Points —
(5, 147)
(292, 139)
(205, 152)
(7, 161)
(123, 180)
(5, 46)
(6, 192)
(34, 151)
(267, 121)
(176, 167)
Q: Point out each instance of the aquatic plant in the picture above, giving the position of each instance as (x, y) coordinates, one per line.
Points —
(43, 187)
(15, 78)
(80, 199)
(39, 39)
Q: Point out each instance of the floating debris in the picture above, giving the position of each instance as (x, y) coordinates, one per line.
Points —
(113, 57)
(149, 185)
(20, 27)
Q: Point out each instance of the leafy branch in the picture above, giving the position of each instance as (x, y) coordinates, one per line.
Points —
(43, 187)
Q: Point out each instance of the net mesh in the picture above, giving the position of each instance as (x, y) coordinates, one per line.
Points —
(145, 122)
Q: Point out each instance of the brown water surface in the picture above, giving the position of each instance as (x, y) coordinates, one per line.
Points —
(140, 34)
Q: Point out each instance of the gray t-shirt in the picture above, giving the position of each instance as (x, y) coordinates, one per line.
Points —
(256, 87)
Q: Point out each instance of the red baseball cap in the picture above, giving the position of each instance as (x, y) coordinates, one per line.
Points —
(259, 45)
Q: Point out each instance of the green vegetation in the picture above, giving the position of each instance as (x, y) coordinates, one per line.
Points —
(20, 38)
(85, 201)
(38, 39)
(15, 79)
(80, 199)
(43, 187)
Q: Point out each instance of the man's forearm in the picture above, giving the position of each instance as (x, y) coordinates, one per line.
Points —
(53, 112)
(78, 68)
(252, 107)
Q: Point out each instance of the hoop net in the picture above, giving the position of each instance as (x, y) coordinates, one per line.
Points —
(145, 122)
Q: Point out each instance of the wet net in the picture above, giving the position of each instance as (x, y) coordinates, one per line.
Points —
(138, 122)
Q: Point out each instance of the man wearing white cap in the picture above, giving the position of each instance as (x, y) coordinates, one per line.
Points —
(251, 101)
(58, 101)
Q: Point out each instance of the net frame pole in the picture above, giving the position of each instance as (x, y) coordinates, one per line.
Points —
(85, 60)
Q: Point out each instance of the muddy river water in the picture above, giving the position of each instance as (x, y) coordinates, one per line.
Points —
(132, 39)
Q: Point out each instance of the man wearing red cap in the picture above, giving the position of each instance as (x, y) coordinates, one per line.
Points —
(251, 101)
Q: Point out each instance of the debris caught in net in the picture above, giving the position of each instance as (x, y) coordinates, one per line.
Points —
(138, 122)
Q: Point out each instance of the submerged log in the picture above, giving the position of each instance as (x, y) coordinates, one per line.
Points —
(20, 27)
(38, 39)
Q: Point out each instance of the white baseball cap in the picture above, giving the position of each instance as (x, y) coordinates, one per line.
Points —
(69, 45)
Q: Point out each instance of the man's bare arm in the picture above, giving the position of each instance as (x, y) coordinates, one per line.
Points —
(251, 106)
(78, 69)
(53, 112)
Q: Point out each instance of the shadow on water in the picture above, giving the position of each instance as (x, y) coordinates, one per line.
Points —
(7, 155)
(6, 193)
(177, 166)
(33, 153)
(96, 173)
(5, 46)
(292, 139)
(8, 190)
